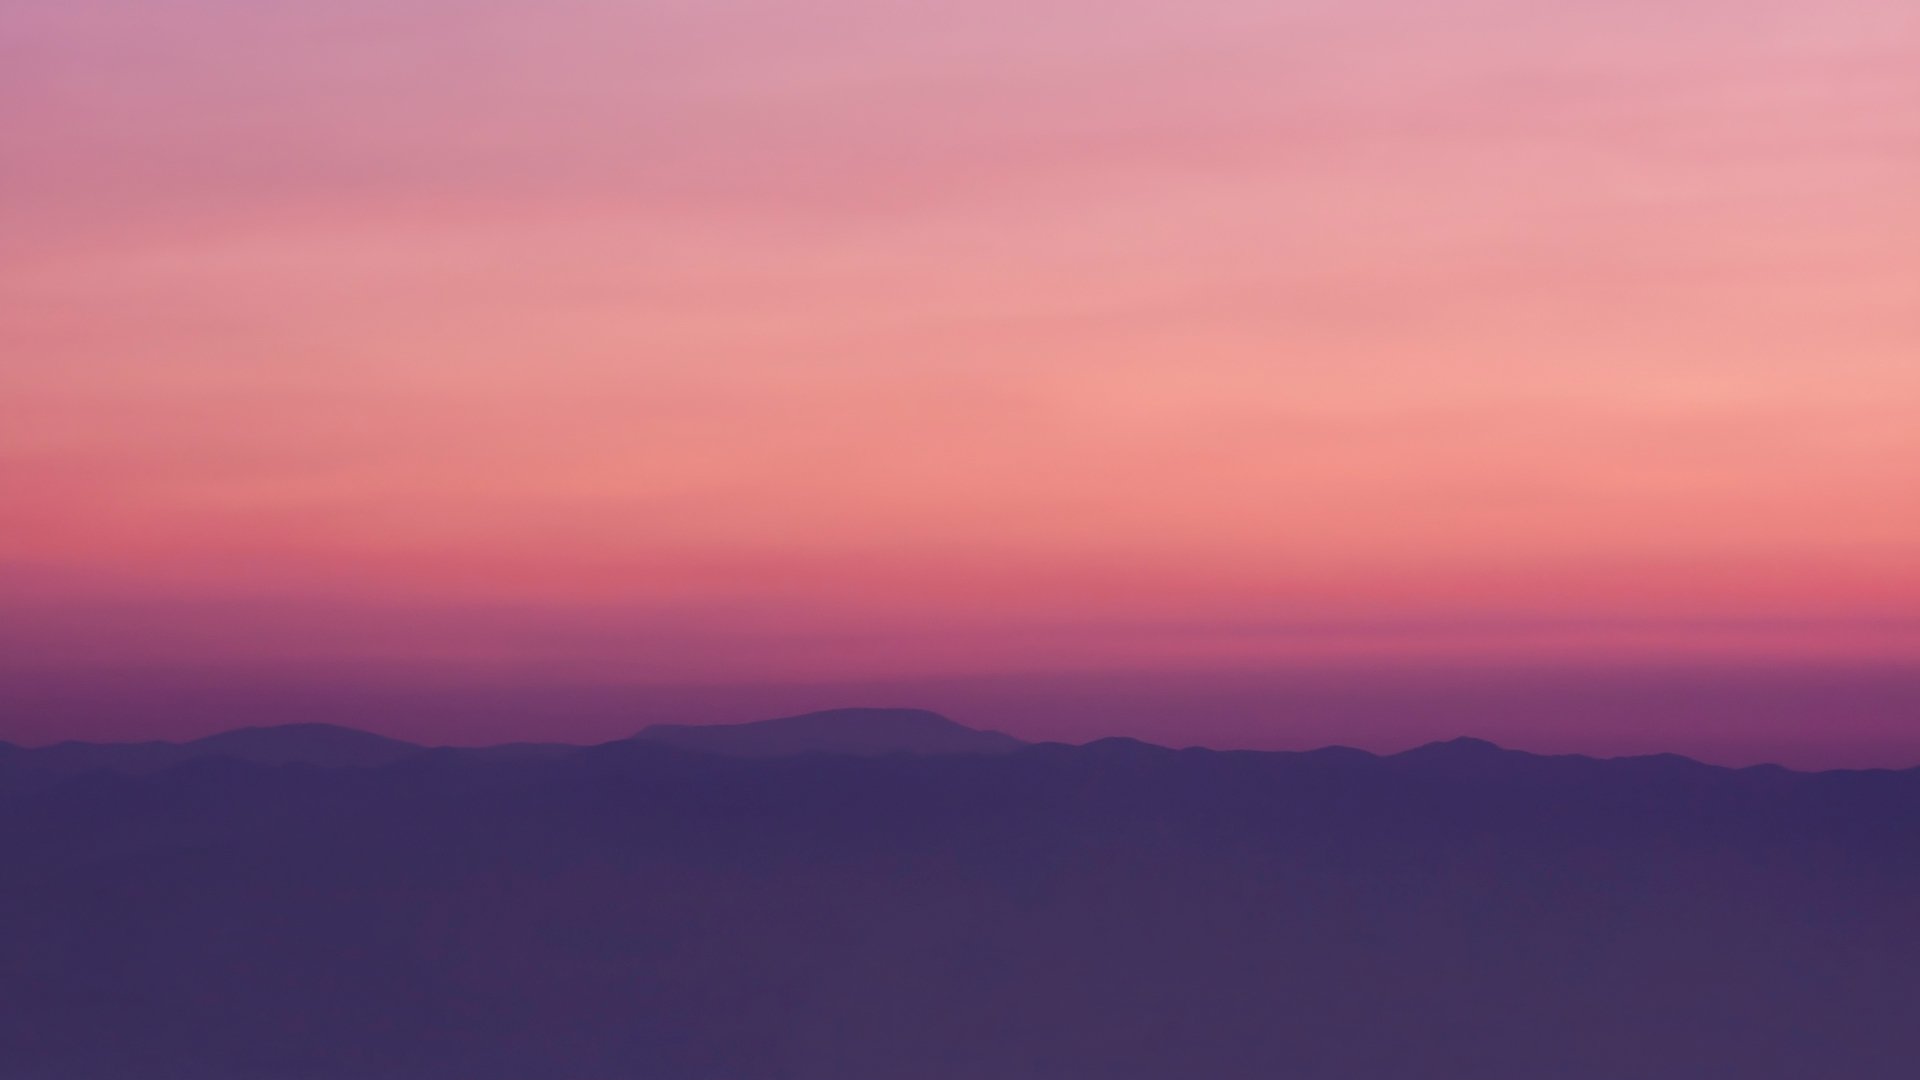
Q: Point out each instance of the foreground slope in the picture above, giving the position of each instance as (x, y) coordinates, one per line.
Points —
(1115, 910)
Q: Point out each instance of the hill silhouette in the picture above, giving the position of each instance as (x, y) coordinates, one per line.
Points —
(860, 732)
(326, 745)
(312, 744)
(1115, 910)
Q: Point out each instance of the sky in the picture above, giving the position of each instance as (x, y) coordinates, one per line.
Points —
(734, 355)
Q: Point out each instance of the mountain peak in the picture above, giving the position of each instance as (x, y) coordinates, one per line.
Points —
(1468, 744)
(1464, 750)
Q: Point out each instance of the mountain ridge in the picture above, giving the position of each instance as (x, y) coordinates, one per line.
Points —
(851, 731)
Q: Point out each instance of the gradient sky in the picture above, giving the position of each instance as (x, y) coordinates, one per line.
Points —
(736, 342)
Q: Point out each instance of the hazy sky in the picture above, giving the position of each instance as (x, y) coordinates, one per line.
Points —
(736, 341)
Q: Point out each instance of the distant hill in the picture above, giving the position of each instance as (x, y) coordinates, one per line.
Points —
(855, 732)
(308, 744)
(328, 745)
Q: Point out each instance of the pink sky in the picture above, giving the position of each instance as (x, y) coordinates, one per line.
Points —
(739, 341)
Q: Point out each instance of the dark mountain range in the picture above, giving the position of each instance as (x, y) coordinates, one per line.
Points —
(1115, 910)
(860, 732)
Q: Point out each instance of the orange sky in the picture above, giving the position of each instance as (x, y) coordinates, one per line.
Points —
(741, 340)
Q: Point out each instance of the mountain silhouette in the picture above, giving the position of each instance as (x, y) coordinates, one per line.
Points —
(857, 732)
(1116, 910)
(310, 744)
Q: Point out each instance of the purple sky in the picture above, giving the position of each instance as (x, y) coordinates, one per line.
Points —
(739, 344)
